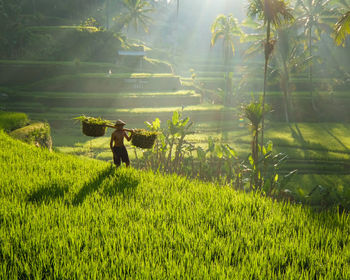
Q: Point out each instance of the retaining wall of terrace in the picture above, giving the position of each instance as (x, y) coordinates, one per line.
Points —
(108, 84)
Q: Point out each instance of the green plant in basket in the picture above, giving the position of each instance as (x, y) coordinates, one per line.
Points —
(144, 139)
(93, 126)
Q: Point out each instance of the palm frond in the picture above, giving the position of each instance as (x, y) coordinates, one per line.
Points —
(342, 29)
(218, 23)
(250, 23)
(274, 11)
(247, 38)
(215, 36)
(227, 28)
(254, 49)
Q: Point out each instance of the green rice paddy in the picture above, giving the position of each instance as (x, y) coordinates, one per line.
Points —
(77, 218)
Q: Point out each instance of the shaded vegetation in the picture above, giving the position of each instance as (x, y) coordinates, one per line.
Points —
(12, 120)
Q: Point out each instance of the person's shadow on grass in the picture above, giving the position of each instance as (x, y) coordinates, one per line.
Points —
(55, 190)
(47, 193)
(124, 182)
(112, 181)
(92, 186)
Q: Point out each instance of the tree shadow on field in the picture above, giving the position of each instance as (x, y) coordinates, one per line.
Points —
(336, 138)
(297, 135)
(47, 193)
(299, 138)
(124, 182)
(92, 186)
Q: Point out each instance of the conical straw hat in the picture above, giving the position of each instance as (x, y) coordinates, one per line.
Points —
(120, 122)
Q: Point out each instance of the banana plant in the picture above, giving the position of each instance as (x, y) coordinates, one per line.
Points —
(254, 112)
(156, 156)
(178, 129)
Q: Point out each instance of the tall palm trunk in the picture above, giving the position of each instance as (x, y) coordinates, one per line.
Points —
(226, 58)
(227, 87)
(255, 156)
(285, 88)
(310, 71)
(285, 92)
(107, 14)
(267, 55)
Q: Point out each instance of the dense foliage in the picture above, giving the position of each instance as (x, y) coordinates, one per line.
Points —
(12, 120)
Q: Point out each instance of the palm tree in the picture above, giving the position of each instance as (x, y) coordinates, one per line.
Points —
(136, 14)
(273, 12)
(313, 19)
(342, 29)
(287, 58)
(227, 29)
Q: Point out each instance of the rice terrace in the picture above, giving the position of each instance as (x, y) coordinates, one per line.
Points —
(175, 139)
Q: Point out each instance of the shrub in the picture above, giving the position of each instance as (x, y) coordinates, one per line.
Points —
(37, 134)
(12, 120)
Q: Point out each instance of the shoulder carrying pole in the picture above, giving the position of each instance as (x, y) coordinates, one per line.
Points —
(125, 129)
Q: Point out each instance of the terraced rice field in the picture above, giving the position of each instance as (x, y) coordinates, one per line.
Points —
(69, 217)
(56, 101)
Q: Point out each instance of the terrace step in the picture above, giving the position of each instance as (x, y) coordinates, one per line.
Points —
(108, 100)
(200, 67)
(196, 113)
(19, 72)
(321, 167)
(109, 83)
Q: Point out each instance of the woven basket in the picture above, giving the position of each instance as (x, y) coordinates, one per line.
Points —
(94, 130)
(143, 141)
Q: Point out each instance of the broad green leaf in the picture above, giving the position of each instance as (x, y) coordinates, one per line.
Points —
(251, 160)
(230, 150)
(175, 118)
(185, 121)
(269, 146)
(149, 125)
(156, 124)
(218, 151)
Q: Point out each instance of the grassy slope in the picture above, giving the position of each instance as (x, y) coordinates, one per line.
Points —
(68, 217)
